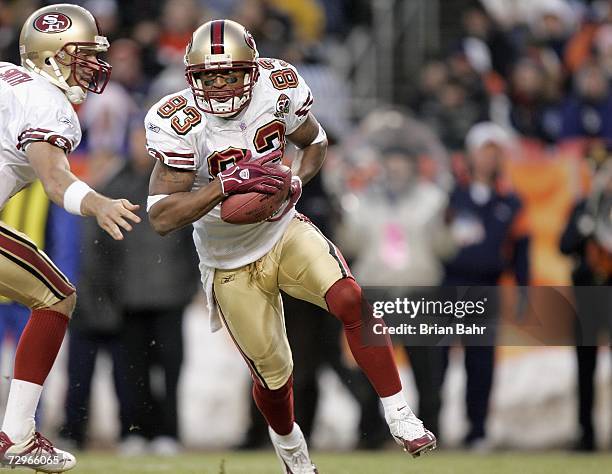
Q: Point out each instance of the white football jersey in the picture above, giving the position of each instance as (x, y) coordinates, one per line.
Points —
(183, 137)
(31, 110)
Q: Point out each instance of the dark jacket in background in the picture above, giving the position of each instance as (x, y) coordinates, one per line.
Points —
(504, 246)
(573, 243)
(144, 270)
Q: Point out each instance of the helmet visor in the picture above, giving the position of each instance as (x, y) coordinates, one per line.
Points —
(221, 101)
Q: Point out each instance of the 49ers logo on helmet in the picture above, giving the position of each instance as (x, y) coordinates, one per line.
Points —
(52, 23)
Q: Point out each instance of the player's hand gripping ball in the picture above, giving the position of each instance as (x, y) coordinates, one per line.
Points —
(249, 205)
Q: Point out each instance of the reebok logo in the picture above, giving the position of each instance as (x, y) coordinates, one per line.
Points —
(228, 278)
(244, 174)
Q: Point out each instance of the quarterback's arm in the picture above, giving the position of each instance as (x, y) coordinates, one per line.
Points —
(181, 206)
(51, 166)
(312, 144)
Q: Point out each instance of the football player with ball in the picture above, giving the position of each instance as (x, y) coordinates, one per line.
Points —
(219, 144)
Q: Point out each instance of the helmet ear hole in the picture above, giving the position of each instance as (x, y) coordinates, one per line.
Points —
(47, 62)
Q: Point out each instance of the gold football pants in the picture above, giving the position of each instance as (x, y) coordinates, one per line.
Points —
(27, 275)
(304, 264)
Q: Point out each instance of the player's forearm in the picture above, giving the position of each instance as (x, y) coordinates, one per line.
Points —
(183, 208)
(310, 160)
(52, 167)
(56, 181)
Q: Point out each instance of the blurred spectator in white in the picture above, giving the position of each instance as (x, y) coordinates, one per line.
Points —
(587, 112)
(396, 229)
(397, 236)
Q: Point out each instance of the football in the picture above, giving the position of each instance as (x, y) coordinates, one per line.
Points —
(250, 208)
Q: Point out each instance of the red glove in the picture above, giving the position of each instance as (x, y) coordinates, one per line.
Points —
(246, 177)
(274, 156)
(294, 195)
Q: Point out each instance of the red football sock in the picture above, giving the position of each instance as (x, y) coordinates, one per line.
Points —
(39, 344)
(344, 301)
(276, 406)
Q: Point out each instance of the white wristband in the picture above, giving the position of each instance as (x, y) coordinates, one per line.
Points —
(154, 199)
(73, 196)
(320, 137)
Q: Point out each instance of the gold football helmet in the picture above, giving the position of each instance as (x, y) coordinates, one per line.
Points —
(221, 45)
(55, 40)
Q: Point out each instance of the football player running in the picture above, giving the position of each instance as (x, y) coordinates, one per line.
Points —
(58, 45)
(214, 139)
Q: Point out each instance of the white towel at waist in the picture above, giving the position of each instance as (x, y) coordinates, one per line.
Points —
(208, 278)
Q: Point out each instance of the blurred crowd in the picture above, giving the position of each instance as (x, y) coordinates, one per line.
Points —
(450, 185)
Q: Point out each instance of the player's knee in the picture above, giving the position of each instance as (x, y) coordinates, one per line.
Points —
(276, 375)
(276, 386)
(286, 381)
(66, 306)
(344, 301)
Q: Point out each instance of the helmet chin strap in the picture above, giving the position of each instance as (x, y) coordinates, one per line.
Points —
(75, 94)
(230, 106)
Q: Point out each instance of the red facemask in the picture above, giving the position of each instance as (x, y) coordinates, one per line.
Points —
(100, 70)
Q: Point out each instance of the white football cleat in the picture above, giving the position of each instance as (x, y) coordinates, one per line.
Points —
(409, 432)
(35, 452)
(294, 459)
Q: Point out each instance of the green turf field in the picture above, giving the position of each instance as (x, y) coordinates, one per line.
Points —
(388, 462)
